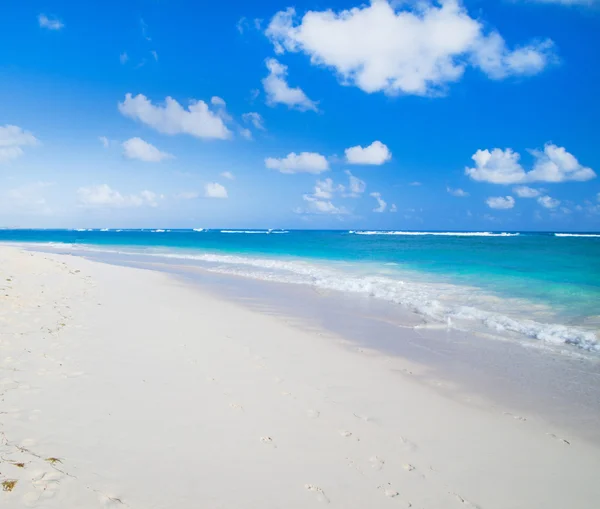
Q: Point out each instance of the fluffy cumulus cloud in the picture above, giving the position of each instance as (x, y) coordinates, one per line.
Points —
(381, 204)
(279, 92)
(171, 118)
(553, 164)
(305, 162)
(51, 23)
(526, 192)
(12, 141)
(215, 190)
(376, 154)
(459, 193)
(104, 196)
(255, 119)
(548, 202)
(324, 189)
(404, 47)
(500, 202)
(136, 148)
(228, 175)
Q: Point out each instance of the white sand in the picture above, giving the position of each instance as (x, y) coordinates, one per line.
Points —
(125, 388)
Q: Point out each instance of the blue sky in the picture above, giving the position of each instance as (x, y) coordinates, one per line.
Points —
(474, 115)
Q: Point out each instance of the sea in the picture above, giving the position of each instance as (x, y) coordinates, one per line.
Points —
(541, 288)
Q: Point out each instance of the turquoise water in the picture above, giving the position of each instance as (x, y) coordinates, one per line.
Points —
(541, 286)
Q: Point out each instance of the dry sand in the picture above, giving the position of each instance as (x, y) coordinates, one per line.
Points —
(121, 387)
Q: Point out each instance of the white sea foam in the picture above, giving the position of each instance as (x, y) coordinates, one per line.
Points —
(577, 234)
(445, 234)
(443, 303)
(198, 229)
(157, 231)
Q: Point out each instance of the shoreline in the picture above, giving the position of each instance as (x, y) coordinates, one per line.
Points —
(151, 393)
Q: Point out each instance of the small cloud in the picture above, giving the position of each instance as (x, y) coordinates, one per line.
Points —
(136, 148)
(217, 101)
(320, 206)
(241, 25)
(171, 118)
(415, 184)
(104, 196)
(459, 193)
(228, 175)
(104, 140)
(123, 58)
(154, 55)
(382, 205)
(356, 185)
(279, 92)
(305, 162)
(375, 154)
(526, 192)
(12, 139)
(548, 202)
(499, 202)
(144, 26)
(215, 190)
(51, 23)
(255, 119)
(393, 208)
(246, 133)
(254, 93)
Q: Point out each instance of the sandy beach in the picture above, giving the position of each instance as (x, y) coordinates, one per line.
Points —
(122, 387)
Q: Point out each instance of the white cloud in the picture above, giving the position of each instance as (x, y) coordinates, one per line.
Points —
(356, 186)
(154, 55)
(499, 202)
(246, 133)
(104, 140)
(393, 208)
(305, 162)
(382, 205)
(136, 148)
(410, 47)
(324, 189)
(526, 192)
(548, 202)
(278, 90)
(459, 193)
(376, 153)
(12, 139)
(50, 23)
(123, 58)
(317, 206)
(228, 175)
(188, 195)
(217, 101)
(215, 190)
(104, 196)
(171, 118)
(554, 164)
(255, 119)
(415, 184)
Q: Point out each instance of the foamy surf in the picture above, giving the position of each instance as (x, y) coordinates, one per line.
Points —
(444, 234)
(454, 305)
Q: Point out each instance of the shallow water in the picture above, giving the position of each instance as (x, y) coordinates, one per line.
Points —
(524, 285)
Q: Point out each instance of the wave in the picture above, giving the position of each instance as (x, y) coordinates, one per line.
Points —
(445, 234)
(264, 232)
(158, 231)
(198, 229)
(591, 235)
(440, 302)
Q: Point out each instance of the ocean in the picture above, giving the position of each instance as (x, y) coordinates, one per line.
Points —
(536, 287)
